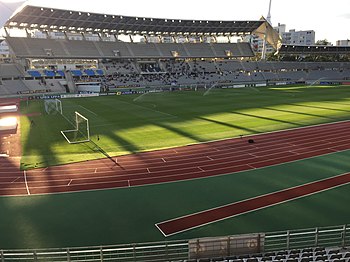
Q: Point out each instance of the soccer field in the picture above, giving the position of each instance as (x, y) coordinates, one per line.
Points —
(132, 123)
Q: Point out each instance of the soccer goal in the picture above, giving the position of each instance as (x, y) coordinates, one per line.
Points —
(53, 106)
(81, 133)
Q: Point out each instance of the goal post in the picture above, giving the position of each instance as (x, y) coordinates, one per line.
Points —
(81, 133)
(53, 106)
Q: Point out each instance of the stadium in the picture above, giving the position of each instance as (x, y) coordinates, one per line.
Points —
(129, 138)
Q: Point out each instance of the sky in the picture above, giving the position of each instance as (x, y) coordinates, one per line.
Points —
(329, 19)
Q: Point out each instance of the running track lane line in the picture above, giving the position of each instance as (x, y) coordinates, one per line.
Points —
(188, 222)
(26, 182)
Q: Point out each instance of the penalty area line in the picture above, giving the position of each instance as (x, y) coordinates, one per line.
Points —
(88, 110)
(150, 109)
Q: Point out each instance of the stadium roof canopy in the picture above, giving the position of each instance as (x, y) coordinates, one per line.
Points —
(42, 18)
(314, 50)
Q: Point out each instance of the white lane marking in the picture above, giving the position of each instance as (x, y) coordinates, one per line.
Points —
(26, 182)
(15, 180)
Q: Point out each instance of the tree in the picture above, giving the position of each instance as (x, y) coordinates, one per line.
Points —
(323, 42)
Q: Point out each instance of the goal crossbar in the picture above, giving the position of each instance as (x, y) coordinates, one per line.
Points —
(77, 130)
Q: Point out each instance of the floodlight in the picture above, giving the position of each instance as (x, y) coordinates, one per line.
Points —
(8, 123)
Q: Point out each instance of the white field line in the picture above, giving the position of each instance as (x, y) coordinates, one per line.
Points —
(88, 110)
(25, 181)
(150, 109)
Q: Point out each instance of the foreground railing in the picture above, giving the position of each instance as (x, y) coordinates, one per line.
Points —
(334, 236)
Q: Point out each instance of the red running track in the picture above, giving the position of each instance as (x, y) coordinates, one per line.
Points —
(181, 224)
(181, 163)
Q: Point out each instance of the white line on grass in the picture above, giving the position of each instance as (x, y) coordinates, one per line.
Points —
(150, 109)
(25, 181)
(88, 110)
(115, 123)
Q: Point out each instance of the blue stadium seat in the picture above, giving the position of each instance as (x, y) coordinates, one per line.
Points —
(76, 73)
(34, 73)
(100, 72)
(89, 72)
(49, 73)
(60, 72)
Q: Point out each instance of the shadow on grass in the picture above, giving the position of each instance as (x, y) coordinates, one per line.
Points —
(180, 132)
(324, 108)
(265, 118)
(248, 130)
(299, 113)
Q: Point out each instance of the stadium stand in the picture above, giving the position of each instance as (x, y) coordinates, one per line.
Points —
(313, 50)
(61, 48)
(166, 72)
(114, 63)
(10, 70)
(125, 72)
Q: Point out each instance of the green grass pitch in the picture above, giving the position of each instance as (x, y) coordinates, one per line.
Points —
(134, 123)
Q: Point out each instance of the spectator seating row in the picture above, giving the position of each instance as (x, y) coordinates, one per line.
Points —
(318, 254)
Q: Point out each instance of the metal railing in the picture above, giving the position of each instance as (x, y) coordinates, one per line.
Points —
(333, 236)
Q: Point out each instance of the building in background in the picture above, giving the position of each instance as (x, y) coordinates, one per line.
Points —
(343, 42)
(4, 49)
(281, 28)
(294, 37)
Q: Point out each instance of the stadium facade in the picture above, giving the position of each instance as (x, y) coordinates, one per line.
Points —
(64, 48)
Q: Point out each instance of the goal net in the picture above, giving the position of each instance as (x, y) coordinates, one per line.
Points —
(81, 133)
(53, 106)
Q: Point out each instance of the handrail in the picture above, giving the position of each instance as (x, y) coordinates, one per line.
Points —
(332, 236)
